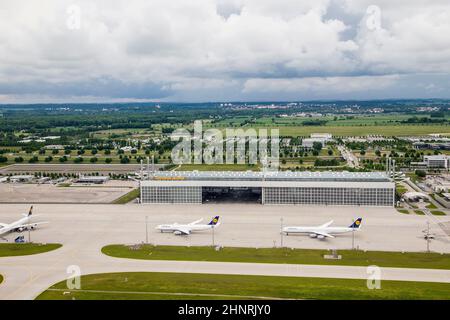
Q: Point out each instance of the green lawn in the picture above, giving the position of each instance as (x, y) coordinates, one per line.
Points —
(24, 249)
(419, 212)
(1, 278)
(281, 255)
(146, 285)
(404, 211)
(130, 196)
(431, 206)
(438, 213)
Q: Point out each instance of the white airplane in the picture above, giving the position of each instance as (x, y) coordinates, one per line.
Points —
(185, 229)
(19, 225)
(323, 231)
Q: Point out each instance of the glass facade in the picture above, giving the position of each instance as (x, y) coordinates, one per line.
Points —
(329, 196)
(157, 194)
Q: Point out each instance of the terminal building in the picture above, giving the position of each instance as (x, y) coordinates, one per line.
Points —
(285, 187)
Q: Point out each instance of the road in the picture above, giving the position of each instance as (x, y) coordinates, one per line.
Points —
(352, 160)
(85, 229)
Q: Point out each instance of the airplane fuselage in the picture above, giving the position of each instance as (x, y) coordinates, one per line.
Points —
(314, 231)
(14, 226)
(175, 227)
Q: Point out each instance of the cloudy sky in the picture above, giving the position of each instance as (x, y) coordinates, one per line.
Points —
(223, 50)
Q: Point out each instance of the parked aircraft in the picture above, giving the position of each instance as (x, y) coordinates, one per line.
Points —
(323, 231)
(20, 225)
(185, 229)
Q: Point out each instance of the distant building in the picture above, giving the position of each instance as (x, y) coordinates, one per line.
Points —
(54, 147)
(93, 179)
(322, 138)
(283, 187)
(21, 178)
(127, 149)
(437, 161)
(322, 135)
(25, 141)
(308, 143)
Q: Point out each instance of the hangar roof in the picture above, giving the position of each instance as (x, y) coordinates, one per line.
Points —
(271, 176)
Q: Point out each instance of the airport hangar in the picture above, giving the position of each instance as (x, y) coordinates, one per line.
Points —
(285, 187)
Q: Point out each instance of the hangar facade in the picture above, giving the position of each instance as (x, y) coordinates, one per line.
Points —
(285, 187)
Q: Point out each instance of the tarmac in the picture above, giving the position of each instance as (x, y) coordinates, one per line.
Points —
(49, 193)
(84, 229)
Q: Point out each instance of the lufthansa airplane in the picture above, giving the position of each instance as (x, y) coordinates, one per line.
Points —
(185, 229)
(323, 231)
(20, 225)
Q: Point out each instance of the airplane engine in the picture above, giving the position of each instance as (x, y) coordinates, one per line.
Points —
(312, 235)
(321, 237)
(20, 229)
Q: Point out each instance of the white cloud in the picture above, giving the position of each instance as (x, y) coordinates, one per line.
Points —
(321, 85)
(192, 49)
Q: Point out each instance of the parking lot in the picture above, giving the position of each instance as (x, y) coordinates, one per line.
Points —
(48, 193)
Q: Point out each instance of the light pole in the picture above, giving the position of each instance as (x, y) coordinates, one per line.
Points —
(281, 231)
(146, 229)
(353, 237)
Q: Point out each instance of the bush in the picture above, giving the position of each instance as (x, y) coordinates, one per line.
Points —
(3, 159)
(33, 159)
(108, 160)
(78, 160)
(18, 159)
(421, 173)
(125, 160)
(93, 160)
(48, 159)
(63, 159)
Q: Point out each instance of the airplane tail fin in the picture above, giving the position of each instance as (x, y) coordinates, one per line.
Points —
(29, 213)
(356, 224)
(214, 221)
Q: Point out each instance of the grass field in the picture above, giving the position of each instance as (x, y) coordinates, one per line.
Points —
(1, 278)
(438, 213)
(281, 255)
(146, 285)
(130, 196)
(386, 130)
(24, 249)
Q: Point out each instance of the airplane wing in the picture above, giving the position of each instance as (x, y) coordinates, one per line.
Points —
(32, 224)
(323, 234)
(196, 221)
(326, 224)
(2, 225)
(183, 230)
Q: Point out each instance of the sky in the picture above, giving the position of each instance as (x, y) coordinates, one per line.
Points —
(223, 50)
